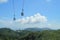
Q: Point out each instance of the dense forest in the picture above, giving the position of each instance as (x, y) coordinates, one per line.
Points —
(8, 34)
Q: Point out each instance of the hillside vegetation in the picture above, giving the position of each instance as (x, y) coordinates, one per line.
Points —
(8, 34)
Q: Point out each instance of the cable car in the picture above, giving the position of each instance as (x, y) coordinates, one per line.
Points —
(14, 11)
(22, 13)
(14, 18)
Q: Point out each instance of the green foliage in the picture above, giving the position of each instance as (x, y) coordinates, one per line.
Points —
(8, 34)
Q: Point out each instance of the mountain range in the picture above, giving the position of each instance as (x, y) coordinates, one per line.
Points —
(37, 29)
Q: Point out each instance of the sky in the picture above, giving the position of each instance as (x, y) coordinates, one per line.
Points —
(37, 14)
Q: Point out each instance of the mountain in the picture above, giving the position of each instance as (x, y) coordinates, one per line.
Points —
(8, 34)
(37, 29)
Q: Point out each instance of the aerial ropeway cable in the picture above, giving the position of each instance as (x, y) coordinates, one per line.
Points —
(13, 11)
(22, 13)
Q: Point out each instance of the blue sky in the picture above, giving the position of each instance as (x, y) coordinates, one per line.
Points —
(50, 9)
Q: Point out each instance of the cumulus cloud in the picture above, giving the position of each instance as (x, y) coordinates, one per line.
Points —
(3, 1)
(37, 18)
(35, 21)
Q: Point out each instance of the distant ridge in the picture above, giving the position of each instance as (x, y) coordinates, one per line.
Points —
(37, 29)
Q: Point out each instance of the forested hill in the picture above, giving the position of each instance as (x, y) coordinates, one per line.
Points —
(8, 34)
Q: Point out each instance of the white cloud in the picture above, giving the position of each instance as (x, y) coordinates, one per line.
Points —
(33, 19)
(36, 20)
(3, 1)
